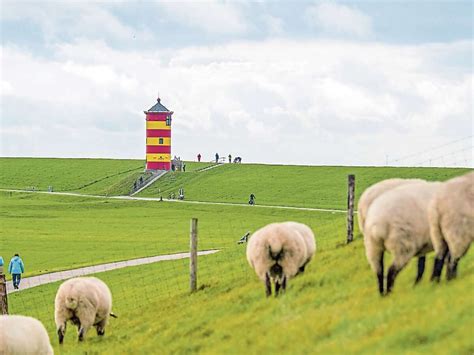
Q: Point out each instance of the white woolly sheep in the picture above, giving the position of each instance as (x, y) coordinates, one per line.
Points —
(86, 302)
(374, 191)
(397, 221)
(23, 335)
(451, 216)
(309, 239)
(276, 252)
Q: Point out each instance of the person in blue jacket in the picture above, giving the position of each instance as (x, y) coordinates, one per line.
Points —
(16, 268)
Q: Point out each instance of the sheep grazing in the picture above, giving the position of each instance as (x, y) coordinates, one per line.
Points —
(451, 216)
(23, 335)
(86, 302)
(277, 252)
(309, 239)
(397, 221)
(374, 191)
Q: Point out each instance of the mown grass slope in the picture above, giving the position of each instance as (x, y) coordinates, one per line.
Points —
(305, 186)
(101, 176)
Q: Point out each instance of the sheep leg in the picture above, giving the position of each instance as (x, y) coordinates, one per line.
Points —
(277, 287)
(380, 273)
(391, 275)
(421, 268)
(84, 327)
(439, 262)
(100, 327)
(268, 285)
(452, 267)
(284, 283)
(61, 332)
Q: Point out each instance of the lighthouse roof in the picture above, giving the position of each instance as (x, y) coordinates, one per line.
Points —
(158, 107)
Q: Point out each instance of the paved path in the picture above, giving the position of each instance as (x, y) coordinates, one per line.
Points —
(133, 198)
(152, 181)
(29, 282)
(210, 167)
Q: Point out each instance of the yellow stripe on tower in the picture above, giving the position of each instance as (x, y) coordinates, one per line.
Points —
(158, 157)
(156, 141)
(157, 125)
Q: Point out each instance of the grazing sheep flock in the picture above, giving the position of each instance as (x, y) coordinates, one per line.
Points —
(451, 216)
(86, 302)
(23, 335)
(279, 251)
(409, 218)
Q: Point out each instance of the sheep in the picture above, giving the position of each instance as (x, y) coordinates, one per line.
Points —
(86, 302)
(397, 221)
(309, 239)
(451, 216)
(276, 252)
(374, 191)
(23, 335)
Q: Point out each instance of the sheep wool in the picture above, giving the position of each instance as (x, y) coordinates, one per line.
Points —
(451, 216)
(309, 239)
(23, 335)
(86, 302)
(276, 252)
(397, 221)
(374, 191)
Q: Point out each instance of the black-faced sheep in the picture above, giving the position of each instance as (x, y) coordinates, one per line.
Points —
(374, 191)
(23, 335)
(86, 302)
(451, 216)
(397, 221)
(276, 252)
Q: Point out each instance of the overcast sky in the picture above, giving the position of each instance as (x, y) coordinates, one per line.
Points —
(306, 82)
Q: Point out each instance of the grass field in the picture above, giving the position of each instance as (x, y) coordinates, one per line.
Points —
(305, 186)
(333, 308)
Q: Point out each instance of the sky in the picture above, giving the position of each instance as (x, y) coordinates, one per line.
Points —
(285, 82)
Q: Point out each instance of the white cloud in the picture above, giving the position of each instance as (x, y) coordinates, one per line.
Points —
(332, 18)
(212, 16)
(273, 24)
(274, 101)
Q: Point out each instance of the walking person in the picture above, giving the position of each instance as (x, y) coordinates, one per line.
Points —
(217, 158)
(199, 157)
(16, 268)
(252, 199)
(230, 158)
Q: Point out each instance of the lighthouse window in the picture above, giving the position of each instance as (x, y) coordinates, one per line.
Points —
(168, 120)
(160, 141)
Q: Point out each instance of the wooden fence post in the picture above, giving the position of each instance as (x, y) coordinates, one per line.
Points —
(3, 294)
(193, 257)
(350, 207)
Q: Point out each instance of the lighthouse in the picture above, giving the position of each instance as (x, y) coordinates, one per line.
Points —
(158, 137)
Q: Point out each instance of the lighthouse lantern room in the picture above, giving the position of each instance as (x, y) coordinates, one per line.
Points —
(158, 137)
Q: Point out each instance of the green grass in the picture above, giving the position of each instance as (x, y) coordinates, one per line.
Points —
(93, 176)
(305, 186)
(333, 308)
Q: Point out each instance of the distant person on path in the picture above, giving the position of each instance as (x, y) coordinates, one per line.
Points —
(16, 268)
(199, 157)
(1, 265)
(184, 167)
(252, 200)
(217, 157)
(230, 158)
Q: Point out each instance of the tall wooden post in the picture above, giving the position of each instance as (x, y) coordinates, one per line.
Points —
(193, 257)
(3, 294)
(350, 207)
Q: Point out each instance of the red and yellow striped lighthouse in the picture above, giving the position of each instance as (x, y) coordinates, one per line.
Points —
(158, 137)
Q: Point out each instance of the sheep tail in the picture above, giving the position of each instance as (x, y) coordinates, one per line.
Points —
(113, 315)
